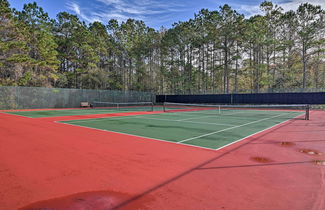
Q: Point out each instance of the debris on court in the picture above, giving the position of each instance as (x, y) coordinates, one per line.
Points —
(287, 144)
(261, 159)
(310, 152)
(319, 162)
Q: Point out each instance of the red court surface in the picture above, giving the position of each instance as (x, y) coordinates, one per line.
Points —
(47, 165)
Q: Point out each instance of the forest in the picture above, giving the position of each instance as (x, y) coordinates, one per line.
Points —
(219, 51)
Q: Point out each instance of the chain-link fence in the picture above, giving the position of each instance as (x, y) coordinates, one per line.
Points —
(40, 97)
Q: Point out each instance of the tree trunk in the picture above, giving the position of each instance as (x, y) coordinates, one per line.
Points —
(236, 69)
(225, 73)
(304, 60)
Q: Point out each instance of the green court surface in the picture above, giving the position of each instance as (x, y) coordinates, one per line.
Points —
(72, 112)
(207, 129)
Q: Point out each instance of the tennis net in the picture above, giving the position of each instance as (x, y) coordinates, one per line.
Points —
(297, 111)
(129, 106)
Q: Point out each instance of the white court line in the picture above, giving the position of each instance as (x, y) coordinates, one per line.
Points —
(192, 118)
(101, 118)
(205, 123)
(189, 113)
(266, 111)
(172, 142)
(211, 114)
(234, 113)
(219, 131)
(256, 133)
(119, 117)
(133, 135)
(139, 117)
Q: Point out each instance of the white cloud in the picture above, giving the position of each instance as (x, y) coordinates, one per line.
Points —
(157, 12)
(140, 7)
(147, 10)
(287, 5)
(294, 4)
(248, 10)
(74, 7)
(110, 2)
(103, 16)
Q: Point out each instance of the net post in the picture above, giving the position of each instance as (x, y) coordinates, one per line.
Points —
(307, 112)
(219, 109)
(152, 106)
(164, 107)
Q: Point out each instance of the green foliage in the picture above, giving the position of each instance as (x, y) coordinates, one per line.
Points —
(14, 57)
(216, 51)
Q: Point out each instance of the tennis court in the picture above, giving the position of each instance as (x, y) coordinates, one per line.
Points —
(205, 126)
(137, 156)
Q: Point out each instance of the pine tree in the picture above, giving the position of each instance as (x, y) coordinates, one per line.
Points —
(14, 57)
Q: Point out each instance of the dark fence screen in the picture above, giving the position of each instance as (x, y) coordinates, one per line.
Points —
(256, 98)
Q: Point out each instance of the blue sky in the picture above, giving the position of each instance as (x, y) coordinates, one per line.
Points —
(155, 13)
